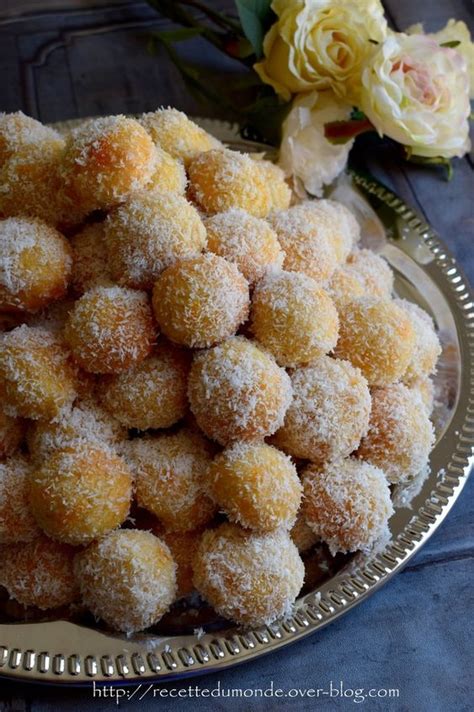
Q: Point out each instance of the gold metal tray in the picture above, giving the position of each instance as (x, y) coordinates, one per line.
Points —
(65, 652)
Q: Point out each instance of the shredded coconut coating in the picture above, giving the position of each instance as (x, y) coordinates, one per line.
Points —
(174, 132)
(223, 179)
(294, 318)
(373, 271)
(105, 160)
(378, 337)
(128, 579)
(169, 174)
(85, 422)
(280, 192)
(238, 392)
(427, 346)
(306, 241)
(91, 266)
(347, 504)
(400, 436)
(17, 523)
(329, 413)
(247, 241)
(150, 232)
(37, 378)
(183, 547)
(39, 573)
(424, 387)
(345, 285)
(12, 431)
(256, 485)
(18, 130)
(80, 493)
(302, 535)
(170, 482)
(152, 394)
(248, 577)
(341, 225)
(35, 264)
(30, 161)
(201, 301)
(110, 329)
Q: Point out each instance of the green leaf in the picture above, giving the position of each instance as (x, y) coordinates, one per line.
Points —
(452, 44)
(254, 16)
(427, 161)
(357, 114)
(181, 35)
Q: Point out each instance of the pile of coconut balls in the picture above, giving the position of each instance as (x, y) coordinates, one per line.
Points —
(181, 339)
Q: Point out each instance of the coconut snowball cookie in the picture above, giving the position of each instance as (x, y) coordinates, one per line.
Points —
(256, 485)
(152, 394)
(280, 192)
(293, 317)
(90, 261)
(400, 436)
(30, 161)
(17, 130)
(249, 577)
(35, 264)
(128, 579)
(377, 336)
(224, 179)
(347, 504)
(169, 174)
(37, 378)
(238, 392)
(329, 413)
(199, 302)
(425, 388)
(80, 493)
(364, 274)
(170, 481)
(306, 242)
(345, 285)
(16, 520)
(110, 329)
(247, 241)
(176, 134)
(12, 431)
(338, 222)
(149, 232)
(39, 573)
(105, 160)
(85, 422)
(373, 271)
(427, 346)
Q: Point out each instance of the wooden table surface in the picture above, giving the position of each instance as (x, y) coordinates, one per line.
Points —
(61, 60)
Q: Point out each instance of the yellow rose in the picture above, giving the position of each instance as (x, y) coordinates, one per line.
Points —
(320, 44)
(417, 93)
(453, 32)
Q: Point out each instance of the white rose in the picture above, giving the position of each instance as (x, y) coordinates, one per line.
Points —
(305, 153)
(453, 32)
(417, 93)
